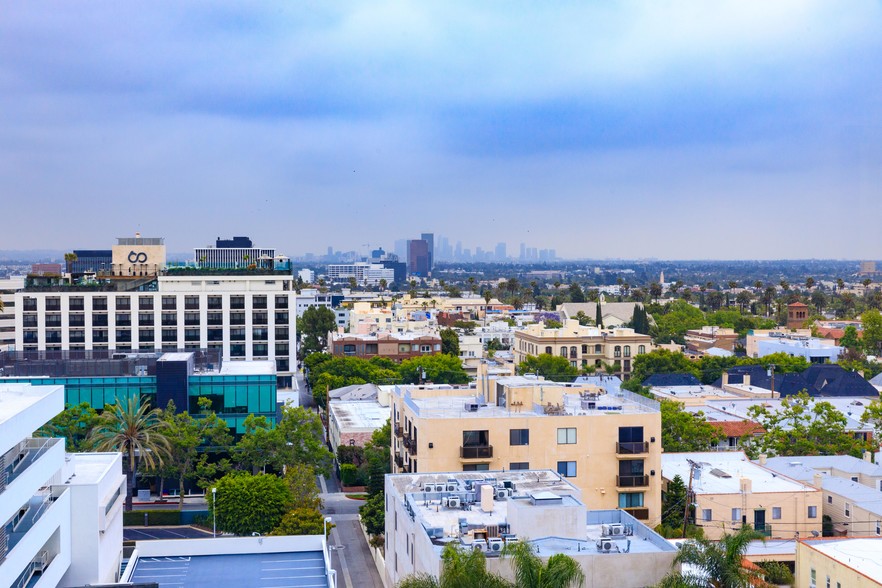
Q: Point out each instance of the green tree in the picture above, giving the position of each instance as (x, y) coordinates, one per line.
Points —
(674, 503)
(560, 571)
(684, 431)
(576, 293)
(249, 504)
(186, 435)
(551, 367)
(439, 369)
(260, 446)
(135, 430)
(718, 564)
(584, 319)
(302, 433)
(802, 426)
(314, 326)
(872, 323)
(449, 342)
(74, 424)
(873, 416)
(460, 568)
(598, 315)
(662, 361)
(302, 521)
(373, 514)
(677, 317)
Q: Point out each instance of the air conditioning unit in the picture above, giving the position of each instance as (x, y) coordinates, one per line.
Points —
(495, 545)
(510, 538)
(605, 545)
(612, 530)
(501, 493)
(471, 407)
(479, 545)
(429, 488)
(452, 486)
(453, 502)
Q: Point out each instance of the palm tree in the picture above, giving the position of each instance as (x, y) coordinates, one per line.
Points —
(134, 429)
(460, 568)
(718, 564)
(560, 571)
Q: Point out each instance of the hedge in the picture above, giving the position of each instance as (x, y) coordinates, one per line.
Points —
(135, 518)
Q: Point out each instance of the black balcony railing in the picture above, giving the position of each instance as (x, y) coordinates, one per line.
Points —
(641, 514)
(476, 452)
(632, 481)
(399, 431)
(399, 461)
(632, 447)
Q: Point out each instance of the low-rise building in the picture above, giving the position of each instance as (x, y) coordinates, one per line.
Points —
(863, 471)
(709, 337)
(353, 422)
(608, 445)
(394, 346)
(799, 344)
(583, 346)
(613, 314)
(731, 491)
(839, 563)
(485, 511)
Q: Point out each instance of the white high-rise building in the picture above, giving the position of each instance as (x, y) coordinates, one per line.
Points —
(8, 287)
(45, 495)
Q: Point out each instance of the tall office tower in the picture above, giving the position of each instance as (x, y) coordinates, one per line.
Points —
(443, 249)
(500, 252)
(457, 253)
(418, 257)
(523, 255)
(401, 248)
(429, 238)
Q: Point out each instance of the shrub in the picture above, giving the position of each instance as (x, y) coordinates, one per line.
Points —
(135, 518)
(348, 474)
(776, 572)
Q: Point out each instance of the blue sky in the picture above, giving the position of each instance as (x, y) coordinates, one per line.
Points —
(730, 129)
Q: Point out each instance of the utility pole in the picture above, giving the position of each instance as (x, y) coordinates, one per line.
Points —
(771, 373)
(692, 466)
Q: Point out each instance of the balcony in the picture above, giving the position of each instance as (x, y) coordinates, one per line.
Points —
(399, 461)
(410, 444)
(641, 514)
(36, 508)
(399, 431)
(476, 452)
(632, 481)
(632, 447)
(765, 529)
(17, 460)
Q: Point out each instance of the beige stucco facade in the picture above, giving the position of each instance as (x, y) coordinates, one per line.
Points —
(530, 424)
(583, 346)
(138, 256)
(839, 563)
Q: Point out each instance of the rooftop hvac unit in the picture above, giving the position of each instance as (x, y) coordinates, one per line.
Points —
(453, 502)
(612, 530)
(471, 407)
(605, 545)
(429, 488)
(452, 486)
(510, 538)
(501, 493)
(479, 545)
(495, 545)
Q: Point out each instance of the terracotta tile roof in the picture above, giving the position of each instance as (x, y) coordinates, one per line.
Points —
(738, 428)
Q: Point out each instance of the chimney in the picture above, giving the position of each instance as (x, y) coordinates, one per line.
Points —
(747, 379)
(746, 485)
(868, 457)
(763, 458)
(818, 480)
(725, 379)
(486, 498)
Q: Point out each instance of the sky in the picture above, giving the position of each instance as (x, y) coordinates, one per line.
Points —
(681, 130)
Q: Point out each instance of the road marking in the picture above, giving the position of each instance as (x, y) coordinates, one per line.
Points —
(346, 578)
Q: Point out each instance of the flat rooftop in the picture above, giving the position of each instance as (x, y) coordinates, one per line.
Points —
(845, 463)
(684, 392)
(861, 555)
(359, 414)
(16, 398)
(248, 368)
(299, 569)
(721, 473)
(852, 407)
(90, 468)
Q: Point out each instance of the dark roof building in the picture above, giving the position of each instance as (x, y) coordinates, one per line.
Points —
(817, 380)
(669, 380)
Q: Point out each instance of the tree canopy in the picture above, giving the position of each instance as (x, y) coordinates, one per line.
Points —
(551, 367)
(314, 326)
(249, 504)
(449, 342)
(684, 431)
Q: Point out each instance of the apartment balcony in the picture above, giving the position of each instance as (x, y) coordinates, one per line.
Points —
(641, 514)
(28, 539)
(764, 529)
(399, 461)
(632, 481)
(632, 448)
(476, 452)
(411, 445)
(399, 431)
(17, 465)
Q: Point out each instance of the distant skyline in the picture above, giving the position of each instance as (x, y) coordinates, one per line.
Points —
(670, 130)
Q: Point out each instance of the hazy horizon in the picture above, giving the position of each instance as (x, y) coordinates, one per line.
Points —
(681, 131)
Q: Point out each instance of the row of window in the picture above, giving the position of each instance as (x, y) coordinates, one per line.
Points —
(707, 514)
(573, 350)
(100, 303)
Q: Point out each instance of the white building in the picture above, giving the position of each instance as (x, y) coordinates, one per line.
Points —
(46, 495)
(310, 297)
(364, 272)
(8, 288)
(246, 316)
(307, 275)
(487, 510)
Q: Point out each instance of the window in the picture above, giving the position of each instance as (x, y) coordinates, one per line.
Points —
(847, 509)
(814, 578)
(476, 467)
(776, 512)
(598, 349)
(879, 527)
(573, 352)
(519, 465)
(169, 302)
(563, 351)
(854, 478)
(566, 436)
(707, 515)
(519, 436)
(829, 499)
(548, 350)
(617, 351)
(736, 515)
(584, 349)
(566, 469)
(813, 512)
(475, 438)
(641, 349)
(627, 351)
(630, 499)
(145, 303)
(828, 581)
(349, 349)
(425, 348)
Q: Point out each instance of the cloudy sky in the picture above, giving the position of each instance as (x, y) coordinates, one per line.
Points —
(703, 129)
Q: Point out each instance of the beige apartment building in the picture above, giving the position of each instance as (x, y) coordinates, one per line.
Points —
(730, 491)
(839, 563)
(608, 446)
(583, 346)
(394, 346)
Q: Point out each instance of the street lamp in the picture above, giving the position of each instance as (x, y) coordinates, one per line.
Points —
(214, 512)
